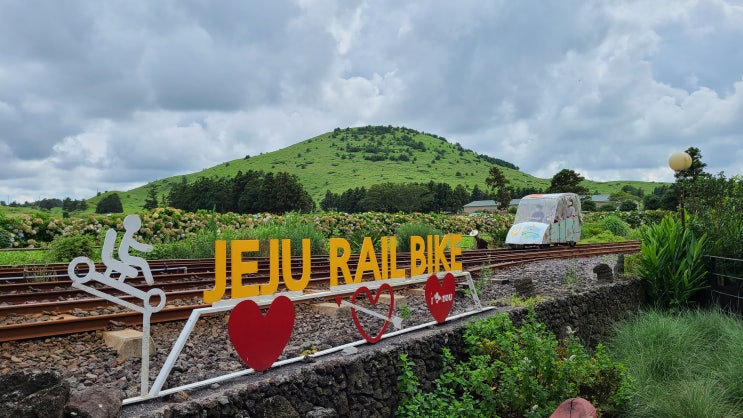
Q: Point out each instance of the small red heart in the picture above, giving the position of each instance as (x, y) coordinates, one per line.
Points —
(372, 300)
(440, 297)
(259, 340)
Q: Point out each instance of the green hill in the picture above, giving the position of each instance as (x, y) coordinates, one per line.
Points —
(364, 156)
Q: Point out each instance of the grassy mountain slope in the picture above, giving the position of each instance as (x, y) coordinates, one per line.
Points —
(342, 159)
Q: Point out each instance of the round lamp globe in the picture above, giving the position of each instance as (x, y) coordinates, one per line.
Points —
(679, 161)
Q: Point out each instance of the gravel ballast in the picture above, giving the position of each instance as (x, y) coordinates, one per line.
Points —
(85, 361)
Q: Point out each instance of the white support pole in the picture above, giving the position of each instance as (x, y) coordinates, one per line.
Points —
(145, 370)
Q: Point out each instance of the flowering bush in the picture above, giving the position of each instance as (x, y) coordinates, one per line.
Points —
(163, 225)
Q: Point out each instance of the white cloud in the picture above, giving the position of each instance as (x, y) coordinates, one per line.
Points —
(89, 148)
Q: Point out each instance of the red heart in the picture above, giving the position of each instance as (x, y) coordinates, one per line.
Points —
(260, 340)
(440, 298)
(372, 300)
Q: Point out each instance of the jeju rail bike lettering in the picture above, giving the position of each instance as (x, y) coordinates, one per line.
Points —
(428, 255)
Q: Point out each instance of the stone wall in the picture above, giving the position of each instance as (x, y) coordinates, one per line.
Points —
(365, 384)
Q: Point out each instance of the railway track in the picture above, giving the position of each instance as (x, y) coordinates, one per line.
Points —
(46, 304)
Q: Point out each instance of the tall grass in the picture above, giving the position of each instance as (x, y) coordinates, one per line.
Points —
(684, 365)
(19, 257)
(295, 229)
(199, 246)
(202, 244)
(407, 230)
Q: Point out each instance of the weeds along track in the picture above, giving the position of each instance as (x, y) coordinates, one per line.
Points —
(38, 301)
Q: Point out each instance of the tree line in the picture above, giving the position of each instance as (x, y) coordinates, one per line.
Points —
(249, 192)
(399, 197)
(67, 204)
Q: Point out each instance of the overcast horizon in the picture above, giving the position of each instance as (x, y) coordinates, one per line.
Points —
(98, 96)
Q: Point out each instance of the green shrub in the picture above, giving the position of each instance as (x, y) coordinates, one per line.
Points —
(64, 248)
(650, 217)
(714, 204)
(627, 205)
(603, 236)
(589, 230)
(671, 263)
(616, 225)
(634, 235)
(4, 238)
(633, 218)
(516, 372)
(357, 237)
(443, 402)
(407, 230)
(608, 226)
(198, 245)
(632, 265)
(607, 207)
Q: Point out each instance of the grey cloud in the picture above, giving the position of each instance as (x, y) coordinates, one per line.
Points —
(712, 60)
(97, 92)
(466, 61)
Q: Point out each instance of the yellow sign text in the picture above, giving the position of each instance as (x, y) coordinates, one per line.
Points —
(427, 256)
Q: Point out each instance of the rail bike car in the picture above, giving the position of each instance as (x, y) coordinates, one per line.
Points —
(546, 219)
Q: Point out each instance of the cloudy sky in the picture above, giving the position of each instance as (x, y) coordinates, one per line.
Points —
(109, 95)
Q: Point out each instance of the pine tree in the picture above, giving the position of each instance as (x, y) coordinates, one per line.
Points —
(151, 201)
(110, 204)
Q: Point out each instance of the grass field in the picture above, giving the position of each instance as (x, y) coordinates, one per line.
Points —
(685, 365)
(21, 257)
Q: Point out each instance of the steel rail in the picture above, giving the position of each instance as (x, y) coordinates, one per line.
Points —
(59, 270)
(473, 261)
(162, 268)
(25, 293)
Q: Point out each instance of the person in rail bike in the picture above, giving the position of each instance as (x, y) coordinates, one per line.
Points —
(480, 243)
(537, 215)
(132, 223)
(565, 210)
(571, 209)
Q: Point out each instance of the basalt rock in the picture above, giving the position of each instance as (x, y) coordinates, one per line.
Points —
(619, 267)
(320, 412)
(524, 287)
(279, 407)
(604, 273)
(29, 394)
(95, 402)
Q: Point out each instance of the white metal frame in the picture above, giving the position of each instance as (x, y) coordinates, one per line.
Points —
(262, 301)
(124, 271)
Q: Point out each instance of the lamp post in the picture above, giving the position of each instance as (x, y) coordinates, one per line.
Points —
(679, 161)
